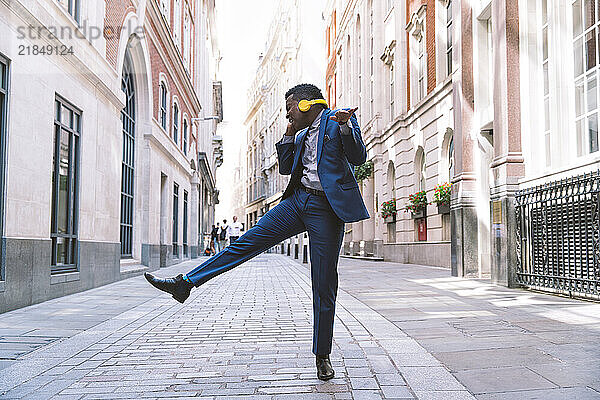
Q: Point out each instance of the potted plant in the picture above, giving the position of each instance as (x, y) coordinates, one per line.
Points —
(417, 204)
(441, 197)
(388, 211)
(364, 171)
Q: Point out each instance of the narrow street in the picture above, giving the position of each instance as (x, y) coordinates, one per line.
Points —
(402, 331)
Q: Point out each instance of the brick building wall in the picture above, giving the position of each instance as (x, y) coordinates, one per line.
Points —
(411, 7)
(116, 10)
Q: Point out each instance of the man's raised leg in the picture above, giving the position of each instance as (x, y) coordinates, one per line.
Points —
(279, 223)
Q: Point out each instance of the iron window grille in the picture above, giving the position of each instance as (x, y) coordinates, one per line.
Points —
(558, 236)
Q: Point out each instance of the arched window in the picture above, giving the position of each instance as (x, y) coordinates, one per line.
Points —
(451, 160)
(185, 136)
(163, 105)
(391, 180)
(127, 166)
(175, 122)
(420, 170)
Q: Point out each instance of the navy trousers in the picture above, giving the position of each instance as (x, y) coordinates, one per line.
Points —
(298, 213)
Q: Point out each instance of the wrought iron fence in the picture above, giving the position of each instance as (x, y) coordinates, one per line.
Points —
(558, 236)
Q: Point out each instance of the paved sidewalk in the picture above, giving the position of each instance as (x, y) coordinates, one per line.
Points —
(499, 343)
(401, 332)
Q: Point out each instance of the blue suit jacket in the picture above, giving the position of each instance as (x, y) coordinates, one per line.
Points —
(335, 153)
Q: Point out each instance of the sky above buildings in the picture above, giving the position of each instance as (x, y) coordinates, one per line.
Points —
(241, 34)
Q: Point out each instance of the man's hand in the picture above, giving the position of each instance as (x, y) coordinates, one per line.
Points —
(290, 131)
(342, 116)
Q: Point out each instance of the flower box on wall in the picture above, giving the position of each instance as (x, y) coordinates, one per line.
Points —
(418, 214)
(390, 218)
(443, 208)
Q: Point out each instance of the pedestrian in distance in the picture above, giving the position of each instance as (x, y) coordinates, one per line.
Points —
(223, 235)
(317, 149)
(214, 235)
(234, 230)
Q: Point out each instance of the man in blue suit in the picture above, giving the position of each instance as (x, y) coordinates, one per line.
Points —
(321, 196)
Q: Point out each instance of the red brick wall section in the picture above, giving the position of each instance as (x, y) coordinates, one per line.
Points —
(430, 35)
(157, 67)
(412, 7)
(116, 10)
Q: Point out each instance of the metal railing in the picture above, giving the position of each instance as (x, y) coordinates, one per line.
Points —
(558, 236)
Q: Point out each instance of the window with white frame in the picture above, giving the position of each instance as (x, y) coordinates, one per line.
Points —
(163, 105)
(359, 62)
(187, 37)
(421, 171)
(418, 67)
(371, 64)
(73, 7)
(451, 160)
(546, 88)
(585, 51)
(164, 8)
(175, 122)
(185, 136)
(421, 68)
(392, 96)
(177, 22)
(449, 37)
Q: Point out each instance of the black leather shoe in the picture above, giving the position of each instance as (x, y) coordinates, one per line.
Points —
(324, 369)
(177, 287)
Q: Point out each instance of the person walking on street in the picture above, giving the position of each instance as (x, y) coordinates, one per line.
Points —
(234, 230)
(223, 235)
(214, 237)
(317, 150)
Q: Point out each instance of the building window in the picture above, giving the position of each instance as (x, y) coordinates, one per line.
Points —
(371, 65)
(163, 106)
(175, 123)
(177, 23)
(421, 67)
(164, 8)
(127, 165)
(546, 88)
(175, 220)
(451, 160)
(359, 63)
(388, 5)
(585, 48)
(392, 96)
(3, 129)
(185, 223)
(65, 185)
(422, 176)
(185, 136)
(73, 8)
(449, 37)
(187, 37)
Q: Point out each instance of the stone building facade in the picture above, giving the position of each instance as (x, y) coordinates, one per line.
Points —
(387, 58)
(493, 96)
(109, 151)
(292, 55)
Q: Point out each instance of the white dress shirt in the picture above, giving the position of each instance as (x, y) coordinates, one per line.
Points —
(310, 177)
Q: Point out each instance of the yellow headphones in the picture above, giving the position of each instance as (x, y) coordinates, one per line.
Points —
(304, 105)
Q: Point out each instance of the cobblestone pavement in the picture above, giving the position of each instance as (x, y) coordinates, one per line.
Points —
(400, 332)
